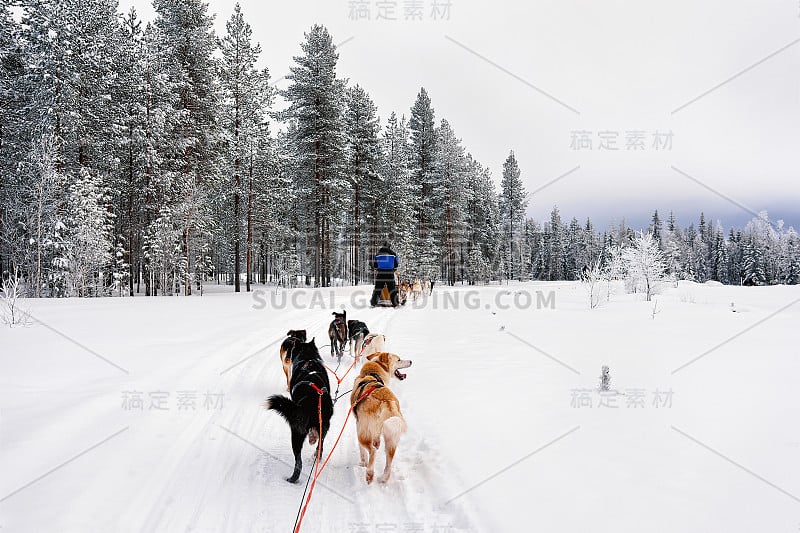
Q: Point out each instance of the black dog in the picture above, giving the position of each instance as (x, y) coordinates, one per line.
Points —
(337, 332)
(309, 377)
(356, 332)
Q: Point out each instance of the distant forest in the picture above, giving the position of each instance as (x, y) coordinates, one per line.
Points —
(148, 159)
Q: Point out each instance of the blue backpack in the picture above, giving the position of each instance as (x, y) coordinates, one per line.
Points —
(385, 262)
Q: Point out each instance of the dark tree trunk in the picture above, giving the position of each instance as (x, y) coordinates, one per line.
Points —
(356, 243)
(130, 210)
(237, 260)
(250, 223)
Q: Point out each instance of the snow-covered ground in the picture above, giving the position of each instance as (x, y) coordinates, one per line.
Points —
(507, 431)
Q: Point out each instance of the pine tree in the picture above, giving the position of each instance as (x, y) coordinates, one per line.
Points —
(483, 216)
(363, 167)
(187, 43)
(317, 106)
(157, 101)
(423, 163)
(88, 235)
(478, 270)
(719, 256)
(512, 207)
(671, 223)
(396, 187)
(11, 71)
(555, 247)
(246, 96)
(64, 122)
(752, 262)
(655, 229)
(450, 199)
(791, 259)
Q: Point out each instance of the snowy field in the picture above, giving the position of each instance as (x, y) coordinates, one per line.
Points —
(144, 414)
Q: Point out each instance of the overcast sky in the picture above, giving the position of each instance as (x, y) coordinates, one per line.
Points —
(529, 76)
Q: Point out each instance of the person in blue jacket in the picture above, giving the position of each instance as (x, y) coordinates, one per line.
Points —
(385, 262)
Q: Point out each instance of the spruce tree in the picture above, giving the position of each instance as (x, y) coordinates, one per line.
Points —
(246, 94)
(655, 229)
(187, 44)
(450, 199)
(362, 171)
(423, 163)
(317, 103)
(512, 208)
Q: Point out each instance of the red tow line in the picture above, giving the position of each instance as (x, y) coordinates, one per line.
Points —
(340, 379)
(318, 470)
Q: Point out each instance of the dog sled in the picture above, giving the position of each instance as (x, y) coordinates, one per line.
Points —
(385, 298)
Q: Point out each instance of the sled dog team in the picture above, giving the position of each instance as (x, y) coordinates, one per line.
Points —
(415, 288)
(375, 407)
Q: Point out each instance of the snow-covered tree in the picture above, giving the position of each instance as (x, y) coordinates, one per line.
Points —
(450, 201)
(317, 106)
(396, 187)
(187, 44)
(592, 278)
(478, 268)
(644, 264)
(88, 239)
(246, 95)
(423, 163)
(370, 200)
(512, 209)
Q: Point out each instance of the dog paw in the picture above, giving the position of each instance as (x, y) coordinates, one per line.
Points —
(292, 480)
(370, 477)
(384, 478)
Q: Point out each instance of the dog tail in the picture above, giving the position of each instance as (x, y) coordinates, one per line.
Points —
(393, 428)
(283, 406)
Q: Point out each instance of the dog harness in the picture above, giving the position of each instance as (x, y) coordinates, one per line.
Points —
(307, 382)
(359, 328)
(310, 384)
(376, 382)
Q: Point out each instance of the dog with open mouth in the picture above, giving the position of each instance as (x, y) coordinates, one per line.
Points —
(377, 410)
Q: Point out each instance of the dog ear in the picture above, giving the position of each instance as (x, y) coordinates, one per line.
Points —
(372, 356)
(312, 343)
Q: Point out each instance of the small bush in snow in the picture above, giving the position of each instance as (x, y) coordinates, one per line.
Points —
(592, 279)
(656, 310)
(11, 311)
(605, 378)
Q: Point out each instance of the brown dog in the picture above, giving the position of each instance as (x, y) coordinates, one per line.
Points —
(337, 332)
(294, 337)
(378, 411)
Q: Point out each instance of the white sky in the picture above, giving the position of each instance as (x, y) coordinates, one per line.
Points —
(623, 65)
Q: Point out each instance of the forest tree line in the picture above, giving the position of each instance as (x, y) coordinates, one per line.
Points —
(150, 159)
